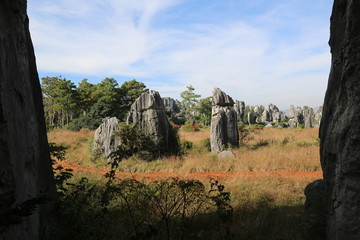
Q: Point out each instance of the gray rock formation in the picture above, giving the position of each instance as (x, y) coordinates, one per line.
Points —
(254, 115)
(239, 108)
(305, 116)
(149, 114)
(25, 168)
(271, 114)
(105, 141)
(224, 130)
(296, 116)
(171, 105)
(340, 128)
(317, 117)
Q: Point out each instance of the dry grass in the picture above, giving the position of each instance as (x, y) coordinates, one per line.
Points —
(264, 199)
(78, 143)
(286, 150)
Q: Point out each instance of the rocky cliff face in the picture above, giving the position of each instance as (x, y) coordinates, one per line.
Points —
(340, 128)
(25, 167)
(223, 122)
(148, 113)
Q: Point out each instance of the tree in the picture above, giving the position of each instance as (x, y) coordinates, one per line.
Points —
(131, 90)
(85, 92)
(190, 103)
(204, 109)
(60, 100)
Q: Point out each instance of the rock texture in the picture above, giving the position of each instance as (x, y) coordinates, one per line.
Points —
(239, 107)
(104, 140)
(340, 128)
(224, 130)
(25, 166)
(149, 114)
(171, 105)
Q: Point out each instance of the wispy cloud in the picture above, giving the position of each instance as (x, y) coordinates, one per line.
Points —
(278, 56)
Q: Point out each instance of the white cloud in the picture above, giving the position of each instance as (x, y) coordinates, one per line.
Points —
(251, 61)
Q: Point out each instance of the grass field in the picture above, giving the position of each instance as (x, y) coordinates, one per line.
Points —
(266, 179)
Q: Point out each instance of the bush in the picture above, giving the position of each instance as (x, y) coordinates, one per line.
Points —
(167, 209)
(244, 134)
(205, 143)
(185, 146)
(134, 142)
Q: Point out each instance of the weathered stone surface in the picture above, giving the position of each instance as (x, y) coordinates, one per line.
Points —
(314, 221)
(226, 154)
(224, 131)
(104, 140)
(239, 108)
(171, 105)
(340, 128)
(25, 166)
(149, 114)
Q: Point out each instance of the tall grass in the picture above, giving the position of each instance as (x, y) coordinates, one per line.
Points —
(267, 203)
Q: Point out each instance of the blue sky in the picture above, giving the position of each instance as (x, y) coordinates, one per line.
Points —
(258, 51)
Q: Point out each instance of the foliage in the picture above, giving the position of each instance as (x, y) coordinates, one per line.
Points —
(185, 146)
(190, 103)
(60, 100)
(244, 134)
(134, 142)
(86, 105)
(204, 109)
(205, 143)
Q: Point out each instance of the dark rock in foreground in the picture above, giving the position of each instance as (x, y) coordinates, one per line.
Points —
(25, 166)
(340, 128)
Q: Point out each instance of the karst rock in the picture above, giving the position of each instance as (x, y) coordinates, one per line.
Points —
(25, 165)
(224, 132)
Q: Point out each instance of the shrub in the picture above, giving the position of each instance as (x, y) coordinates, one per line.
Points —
(134, 142)
(185, 146)
(244, 134)
(205, 143)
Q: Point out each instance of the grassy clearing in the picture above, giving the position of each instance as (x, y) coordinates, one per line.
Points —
(269, 150)
(265, 206)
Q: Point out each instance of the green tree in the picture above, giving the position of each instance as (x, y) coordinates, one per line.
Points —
(86, 91)
(131, 90)
(60, 100)
(204, 109)
(190, 103)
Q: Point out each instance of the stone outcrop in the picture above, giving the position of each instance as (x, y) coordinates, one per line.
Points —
(254, 115)
(304, 116)
(296, 116)
(25, 166)
(239, 108)
(171, 105)
(105, 142)
(149, 114)
(224, 131)
(340, 128)
(271, 114)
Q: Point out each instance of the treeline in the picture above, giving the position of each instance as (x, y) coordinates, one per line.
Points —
(84, 106)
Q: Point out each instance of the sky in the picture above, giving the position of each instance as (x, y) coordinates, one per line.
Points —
(257, 51)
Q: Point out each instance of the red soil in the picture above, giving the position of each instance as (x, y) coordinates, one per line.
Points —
(197, 175)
